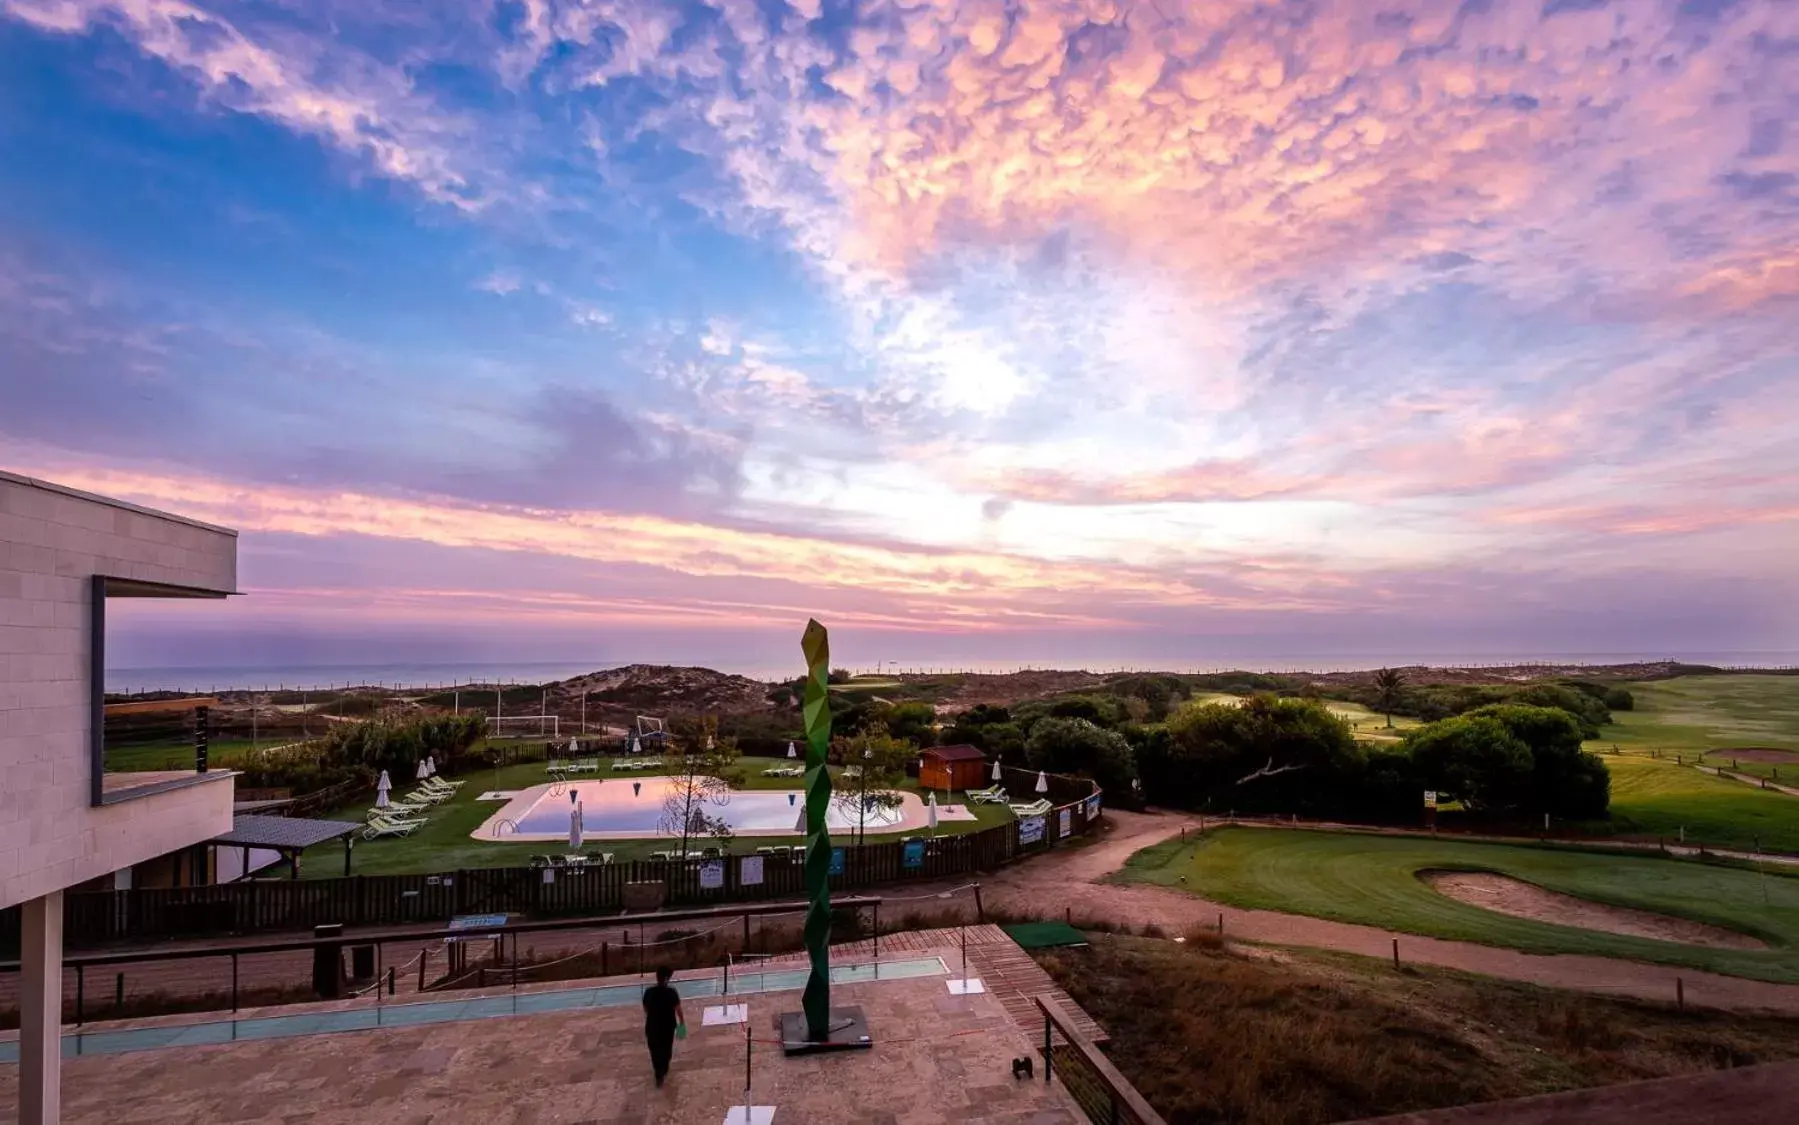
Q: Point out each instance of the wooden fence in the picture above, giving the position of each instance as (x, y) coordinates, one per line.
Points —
(149, 914)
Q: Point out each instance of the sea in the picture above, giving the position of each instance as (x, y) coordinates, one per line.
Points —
(330, 676)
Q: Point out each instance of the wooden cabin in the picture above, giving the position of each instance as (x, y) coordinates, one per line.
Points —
(953, 767)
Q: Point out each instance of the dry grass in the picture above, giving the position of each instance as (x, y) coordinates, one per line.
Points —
(1212, 1036)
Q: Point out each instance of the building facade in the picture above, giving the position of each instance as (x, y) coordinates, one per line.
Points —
(64, 820)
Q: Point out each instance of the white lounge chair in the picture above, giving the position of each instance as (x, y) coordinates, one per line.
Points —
(1035, 808)
(379, 828)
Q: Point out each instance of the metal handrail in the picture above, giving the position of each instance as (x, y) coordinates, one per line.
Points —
(1123, 1104)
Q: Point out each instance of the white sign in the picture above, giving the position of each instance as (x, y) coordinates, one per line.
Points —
(1030, 830)
(712, 875)
(724, 1014)
(749, 870)
(1067, 821)
(1430, 798)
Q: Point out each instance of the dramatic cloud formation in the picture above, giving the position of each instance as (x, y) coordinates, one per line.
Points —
(1041, 322)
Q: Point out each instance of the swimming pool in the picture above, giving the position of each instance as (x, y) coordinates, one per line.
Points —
(621, 809)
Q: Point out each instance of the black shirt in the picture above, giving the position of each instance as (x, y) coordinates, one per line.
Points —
(659, 1002)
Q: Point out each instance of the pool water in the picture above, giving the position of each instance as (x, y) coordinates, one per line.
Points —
(620, 807)
(741, 982)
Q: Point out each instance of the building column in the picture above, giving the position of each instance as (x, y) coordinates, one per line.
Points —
(40, 1012)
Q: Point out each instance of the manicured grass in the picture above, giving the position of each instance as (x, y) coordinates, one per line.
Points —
(1707, 713)
(1658, 798)
(1372, 880)
(180, 755)
(1364, 722)
(1213, 1036)
(444, 844)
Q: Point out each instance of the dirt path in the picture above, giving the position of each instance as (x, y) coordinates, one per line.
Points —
(1065, 880)
(1750, 779)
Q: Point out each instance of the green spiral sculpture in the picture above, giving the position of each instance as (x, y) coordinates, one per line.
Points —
(816, 709)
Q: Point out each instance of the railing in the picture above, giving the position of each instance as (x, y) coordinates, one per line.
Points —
(90, 998)
(148, 914)
(1088, 1075)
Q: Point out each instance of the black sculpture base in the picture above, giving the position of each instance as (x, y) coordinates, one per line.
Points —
(848, 1032)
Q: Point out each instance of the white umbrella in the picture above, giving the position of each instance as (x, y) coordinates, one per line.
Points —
(423, 773)
(930, 810)
(574, 746)
(790, 751)
(574, 828)
(636, 746)
(382, 787)
(997, 778)
(430, 765)
(1042, 782)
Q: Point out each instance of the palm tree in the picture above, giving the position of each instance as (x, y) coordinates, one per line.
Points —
(1388, 683)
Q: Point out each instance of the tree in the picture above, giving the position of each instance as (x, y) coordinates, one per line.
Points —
(1566, 780)
(700, 780)
(1286, 755)
(1474, 759)
(1078, 746)
(1388, 683)
(880, 763)
(914, 722)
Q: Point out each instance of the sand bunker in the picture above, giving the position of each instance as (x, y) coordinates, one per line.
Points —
(1504, 895)
(1755, 754)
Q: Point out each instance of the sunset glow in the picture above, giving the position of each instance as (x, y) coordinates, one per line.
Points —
(978, 328)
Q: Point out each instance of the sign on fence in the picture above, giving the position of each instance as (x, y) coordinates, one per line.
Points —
(749, 871)
(712, 875)
(836, 861)
(1093, 806)
(1067, 821)
(473, 922)
(1430, 798)
(913, 857)
(1030, 830)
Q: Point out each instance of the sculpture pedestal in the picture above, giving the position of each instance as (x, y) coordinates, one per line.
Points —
(848, 1032)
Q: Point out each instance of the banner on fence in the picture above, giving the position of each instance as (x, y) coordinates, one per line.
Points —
(836, 861)
(1067, 821)
(1093, 806)
(1030, 830)
(914, 855)
(749, 871)
(712, 875)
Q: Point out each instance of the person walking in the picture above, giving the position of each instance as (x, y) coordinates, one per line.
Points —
(663, 1020)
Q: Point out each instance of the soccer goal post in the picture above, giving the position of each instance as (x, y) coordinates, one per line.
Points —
(525, 726)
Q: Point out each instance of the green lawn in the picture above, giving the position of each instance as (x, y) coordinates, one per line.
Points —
(1657, 798)
(1708, 712)
(180, 755)
(1372, 880)
(444, 844)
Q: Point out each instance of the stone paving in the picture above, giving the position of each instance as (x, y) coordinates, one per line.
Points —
(938, 1060)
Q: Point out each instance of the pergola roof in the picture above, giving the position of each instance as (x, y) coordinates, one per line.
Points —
(283, 833)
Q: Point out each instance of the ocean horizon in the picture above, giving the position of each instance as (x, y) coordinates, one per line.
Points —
(425, 675)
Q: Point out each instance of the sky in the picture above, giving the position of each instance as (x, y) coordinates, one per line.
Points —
(1042, 330)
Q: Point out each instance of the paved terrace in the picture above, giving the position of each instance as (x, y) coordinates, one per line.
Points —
(938, 1060)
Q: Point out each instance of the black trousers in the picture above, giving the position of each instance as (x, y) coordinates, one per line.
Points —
(662, 1045)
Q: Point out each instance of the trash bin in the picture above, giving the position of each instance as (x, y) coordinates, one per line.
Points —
(328, 962)
(362, 962)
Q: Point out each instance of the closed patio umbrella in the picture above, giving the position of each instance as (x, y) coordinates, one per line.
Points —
(790, 752)
(382, 788)
(997, 777)
(422, 773)
(430, 765)
(636, 746)
(574, 746)
(574, 828)
(930, 810)
(1042, 782)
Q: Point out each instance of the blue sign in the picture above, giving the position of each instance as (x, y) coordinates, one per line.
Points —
(836, 861)
(1030, 830)
(914, 857)
(1093, 806)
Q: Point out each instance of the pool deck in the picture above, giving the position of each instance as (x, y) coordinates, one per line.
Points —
(938, 1059)
(502, 825)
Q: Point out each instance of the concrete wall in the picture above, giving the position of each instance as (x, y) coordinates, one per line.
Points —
(52, 542)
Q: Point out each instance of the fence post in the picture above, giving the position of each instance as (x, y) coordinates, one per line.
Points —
(80, 990)
(1048, 1042)
(234, 980)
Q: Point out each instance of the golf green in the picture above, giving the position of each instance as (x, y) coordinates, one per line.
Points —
(1373, 881)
